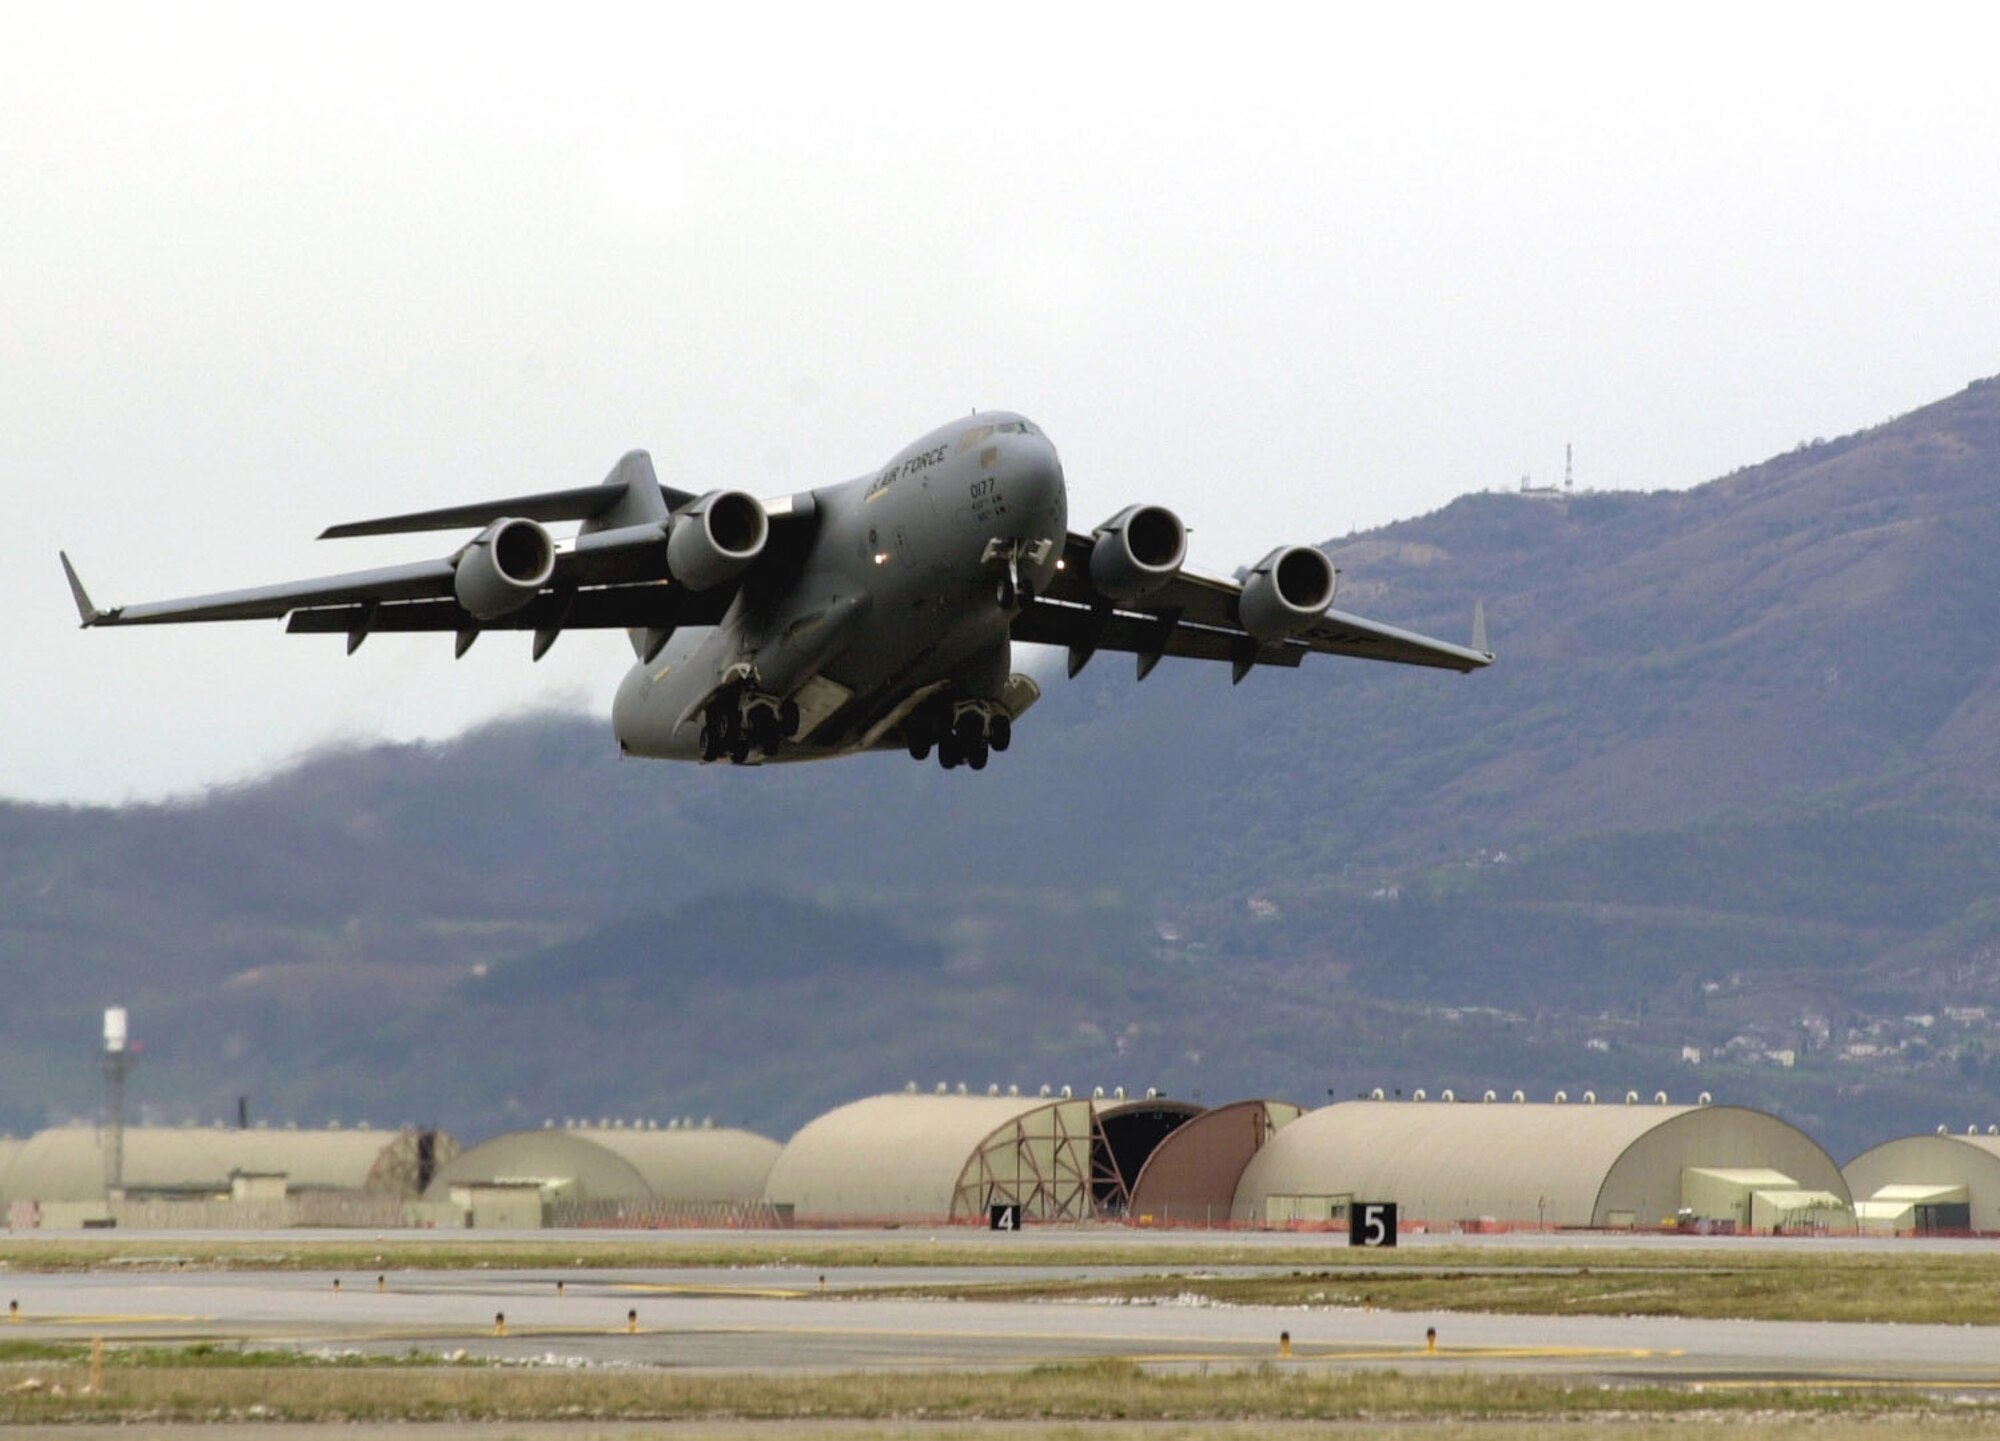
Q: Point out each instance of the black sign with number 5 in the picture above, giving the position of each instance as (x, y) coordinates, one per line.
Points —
(1371, 1223)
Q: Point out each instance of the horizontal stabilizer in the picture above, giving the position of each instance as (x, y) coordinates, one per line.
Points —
(584, 502)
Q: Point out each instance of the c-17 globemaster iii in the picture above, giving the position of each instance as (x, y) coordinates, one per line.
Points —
(875, 614)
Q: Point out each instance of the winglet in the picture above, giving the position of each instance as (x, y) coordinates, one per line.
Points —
(1479, 629)
(87, 613)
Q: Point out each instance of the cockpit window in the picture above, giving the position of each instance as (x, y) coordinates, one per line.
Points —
(980, 434)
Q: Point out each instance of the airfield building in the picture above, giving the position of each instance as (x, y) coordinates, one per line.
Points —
(1583, 1165)
(1929, 1184)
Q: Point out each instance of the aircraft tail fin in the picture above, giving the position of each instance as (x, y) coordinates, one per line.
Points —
(638, 498)
(631, 495)
(1479, 628)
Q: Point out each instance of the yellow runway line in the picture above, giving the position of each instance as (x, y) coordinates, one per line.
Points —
(133, 1320)
(664, 1288)
(1854, 1383)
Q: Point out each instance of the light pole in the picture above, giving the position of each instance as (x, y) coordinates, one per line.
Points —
(117, 1063)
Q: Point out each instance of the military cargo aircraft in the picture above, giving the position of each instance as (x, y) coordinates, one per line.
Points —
(876, 614)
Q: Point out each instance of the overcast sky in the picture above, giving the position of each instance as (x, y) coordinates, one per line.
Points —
(268, 267)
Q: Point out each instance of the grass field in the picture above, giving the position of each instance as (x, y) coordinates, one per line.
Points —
(203, 1384)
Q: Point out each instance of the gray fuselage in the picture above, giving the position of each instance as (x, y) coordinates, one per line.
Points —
(903, 598)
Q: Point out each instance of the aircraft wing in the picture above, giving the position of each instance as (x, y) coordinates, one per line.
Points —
(613, 578)
(419, 596)
(1197, 616)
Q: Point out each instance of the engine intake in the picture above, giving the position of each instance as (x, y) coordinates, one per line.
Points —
(715, 539)
(1137, 551)
(504, 568)
(1287, 591)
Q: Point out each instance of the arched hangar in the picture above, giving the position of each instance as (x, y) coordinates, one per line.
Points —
(67, 1163)
(927, 1158)
(1929, 1183)
(1557, 1165)
(1190, 1178)
(644, 1166)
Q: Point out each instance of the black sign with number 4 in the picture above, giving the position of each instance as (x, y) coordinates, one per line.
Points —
(1003, 1217)
(1371, 1223)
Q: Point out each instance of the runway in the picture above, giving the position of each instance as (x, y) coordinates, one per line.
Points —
(776, 1319)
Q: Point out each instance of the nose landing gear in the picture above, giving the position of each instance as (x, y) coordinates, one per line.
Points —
(1004, 557)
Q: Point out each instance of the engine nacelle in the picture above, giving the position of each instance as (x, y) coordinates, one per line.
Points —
(1287, 591)
(715, 539)
(504, 568)
(1137, 551)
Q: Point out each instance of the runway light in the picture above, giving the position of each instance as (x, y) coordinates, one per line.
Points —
(881, 557)
(1285, 1344)
(499, 1323)
(1431, 1341)
(632, 1322)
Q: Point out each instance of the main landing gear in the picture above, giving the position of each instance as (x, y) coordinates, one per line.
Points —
(746, 724)
(964, 734)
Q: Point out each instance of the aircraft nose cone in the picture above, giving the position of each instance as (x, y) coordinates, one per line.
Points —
(1036, 474)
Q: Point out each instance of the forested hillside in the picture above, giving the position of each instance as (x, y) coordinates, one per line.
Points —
(1730, 786)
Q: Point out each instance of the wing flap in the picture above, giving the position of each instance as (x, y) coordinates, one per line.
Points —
(648, 607)
(1338, 633)
(269, 602)
(1081, 628)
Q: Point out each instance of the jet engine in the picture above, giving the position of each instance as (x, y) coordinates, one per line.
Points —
(715, 539)
(503, 568)
(1137, 551)
(1287, 591)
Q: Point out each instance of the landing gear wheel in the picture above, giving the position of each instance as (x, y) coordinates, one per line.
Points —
(763, 730)
(920, 746)
(739, 749)
(1000, 731)
(788, 719)
(711, 743)
(949, 753)
(976, 756)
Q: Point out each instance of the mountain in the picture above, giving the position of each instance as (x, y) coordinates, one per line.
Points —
(1730, 788)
